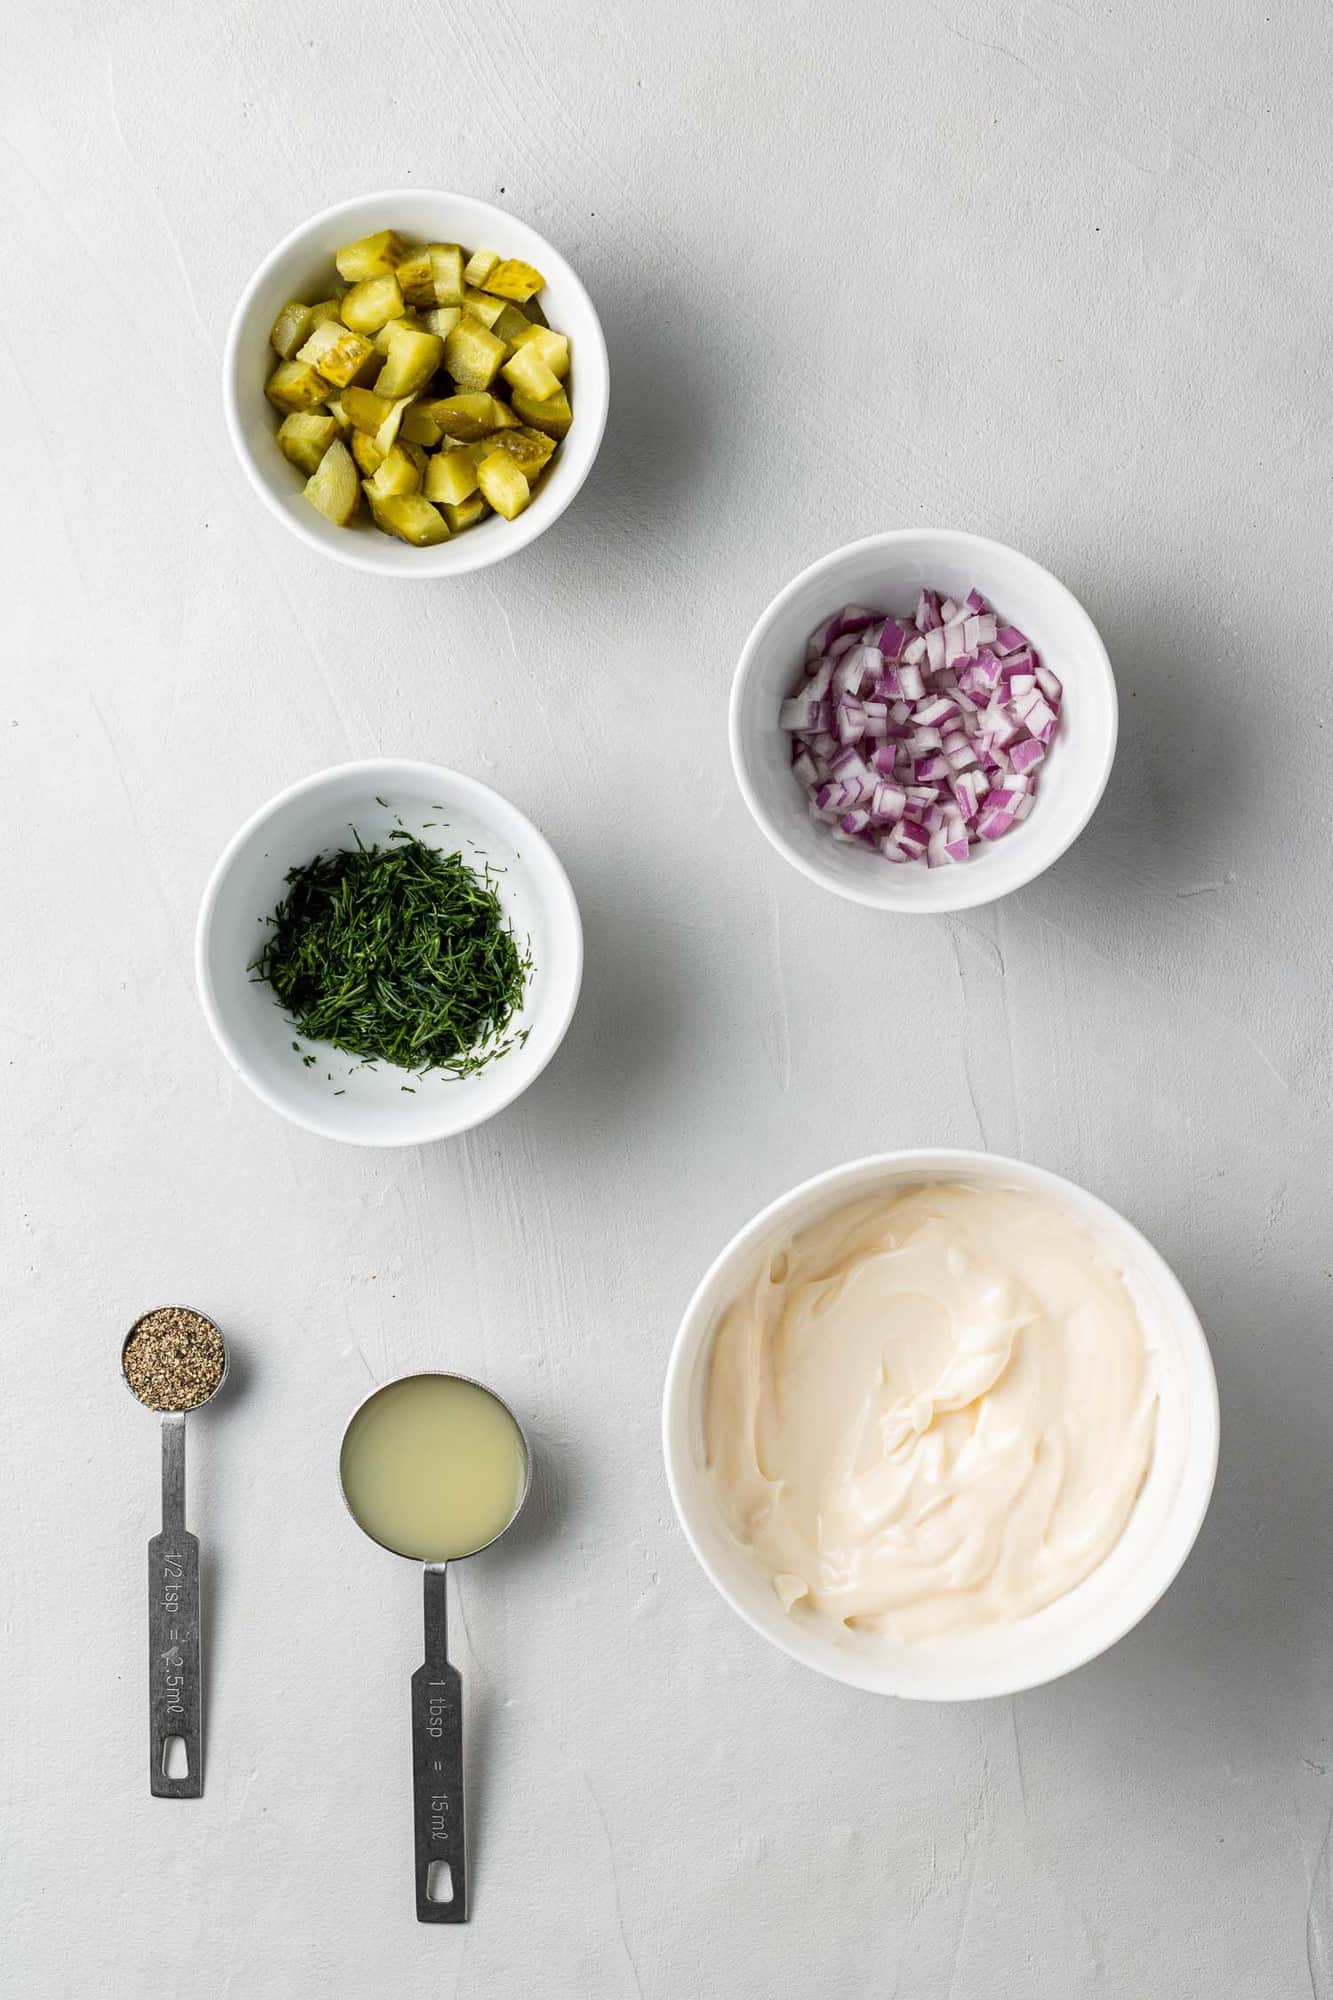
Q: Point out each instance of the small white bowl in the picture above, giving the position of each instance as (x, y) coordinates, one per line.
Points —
(1002, 1659)
(302, 268)
(447, 811)
(887, 572)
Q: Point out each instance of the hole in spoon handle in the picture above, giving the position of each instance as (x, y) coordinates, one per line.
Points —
(437, 1768)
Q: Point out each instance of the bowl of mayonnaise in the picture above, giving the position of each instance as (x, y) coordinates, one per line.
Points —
(940, 1424)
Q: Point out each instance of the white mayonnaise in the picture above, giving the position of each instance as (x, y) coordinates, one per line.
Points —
(931, 1411)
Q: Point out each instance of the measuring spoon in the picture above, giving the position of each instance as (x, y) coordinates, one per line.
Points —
(435, 1467)
(175, 1681)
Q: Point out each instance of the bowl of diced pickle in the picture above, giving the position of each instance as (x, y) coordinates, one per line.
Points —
(416, 383)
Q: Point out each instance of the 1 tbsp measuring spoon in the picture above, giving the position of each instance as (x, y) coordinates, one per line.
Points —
(175, 1682)
(435, 1467)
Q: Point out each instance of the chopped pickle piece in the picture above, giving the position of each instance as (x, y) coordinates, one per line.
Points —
(295, 385)
(292, 326)
(414, 356)
(508, 322)
(552, 347)
(528, 372)
(530, 450)
(399, 472)
(513, 279)
(366, 452)
(366, 409)
(469, 417)
(442, 320)
(416, 275)
(482, 306)
(532, 310)
(340, 417)
(503, 484)
(419, 427)
(551, 414)
(304, 437)
(333, 488)
(384, 334)
(371, 304)
(479, 266)
(446, 260)
(370, 257)
(472, 355)
(326, 309)
(410, 516)
(450, 475)
(386, 435)
(337, 352)
(462, 514)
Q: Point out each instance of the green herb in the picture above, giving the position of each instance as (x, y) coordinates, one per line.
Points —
(398, 954)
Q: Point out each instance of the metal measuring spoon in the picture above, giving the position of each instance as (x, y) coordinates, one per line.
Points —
(439, 1828)
(175, 1691)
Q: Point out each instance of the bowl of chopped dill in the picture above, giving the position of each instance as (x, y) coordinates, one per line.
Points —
(388, 953)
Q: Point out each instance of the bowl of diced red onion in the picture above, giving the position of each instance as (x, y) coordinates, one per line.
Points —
(923, 721)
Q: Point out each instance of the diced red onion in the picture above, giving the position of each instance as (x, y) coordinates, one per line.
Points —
(917, 738)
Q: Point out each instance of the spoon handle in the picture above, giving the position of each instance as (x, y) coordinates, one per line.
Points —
(174, 1704)
(437, 1767)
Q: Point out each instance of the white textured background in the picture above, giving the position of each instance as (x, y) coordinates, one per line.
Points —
(1061, 273)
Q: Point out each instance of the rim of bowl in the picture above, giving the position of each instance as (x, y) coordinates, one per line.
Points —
(377, 768)
(968, 891)
(522, 532)
(934, 1162)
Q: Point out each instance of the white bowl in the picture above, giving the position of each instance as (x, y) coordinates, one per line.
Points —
(887, 572)
(1075, 1628)
(447, 811)
(302, 268)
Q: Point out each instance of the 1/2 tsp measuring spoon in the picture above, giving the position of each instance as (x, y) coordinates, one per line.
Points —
(175, 1680)
(435, 1467)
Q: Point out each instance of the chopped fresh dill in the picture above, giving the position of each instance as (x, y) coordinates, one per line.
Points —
(398, 954)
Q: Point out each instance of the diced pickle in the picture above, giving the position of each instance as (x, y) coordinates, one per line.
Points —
(462, 514)
(366, 409)
(292, 326)
(472, 355)
(509, 322)
(384, 334)
(416, 275)
(295, 385)
(513, 279)
(442, 320)
(366, 452)
(410, 516)
(551, 414)
(304, 437)
(399, 471)
(370, 257)
(503, 485)
(415, 310)
(479, 266)
(552, 347)
(469, 417)
(413, 358)
(451, 476)
(333, 488)
(482, 306)
(530, 450)
(386, 435)
(446, 262)
(372, 303)
(339, 354)
(419, 427)
(528, 372)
